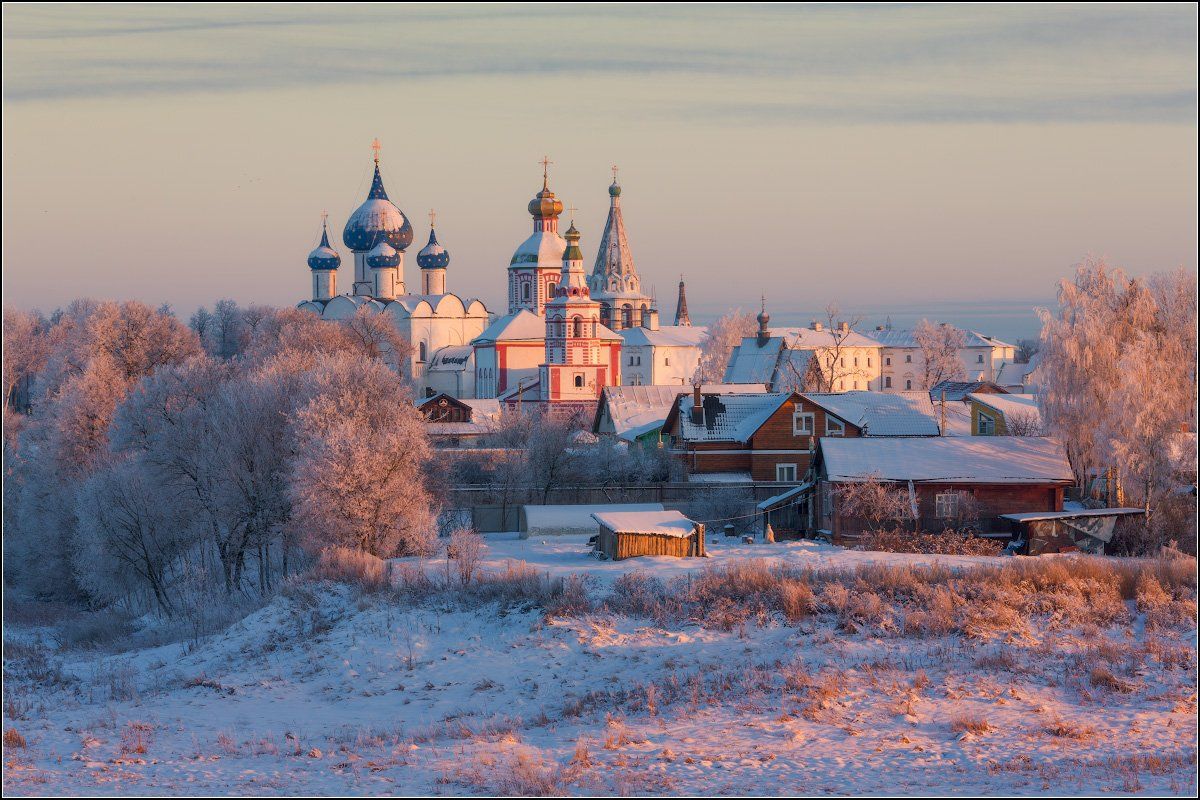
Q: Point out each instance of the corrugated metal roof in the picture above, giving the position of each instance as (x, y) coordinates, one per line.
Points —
(882, 413)
(954, 459)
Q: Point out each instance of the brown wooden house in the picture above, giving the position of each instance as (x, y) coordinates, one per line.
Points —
(628, 534)
(997, 475)
(456, 422)
(771, 436)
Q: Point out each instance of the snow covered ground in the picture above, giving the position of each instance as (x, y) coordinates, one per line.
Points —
(327, 691)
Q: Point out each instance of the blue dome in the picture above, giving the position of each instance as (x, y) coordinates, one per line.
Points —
(433, 255)
(377, 220)
(383, 255)
(324, 256)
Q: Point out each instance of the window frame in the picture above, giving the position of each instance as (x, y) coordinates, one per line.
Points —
(800, 414)
(947, 505)
(779, 470)
(830, 422)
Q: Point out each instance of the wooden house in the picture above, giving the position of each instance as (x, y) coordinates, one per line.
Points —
(458, 422)
(770, 436)
(1004, 414)
(943, 477)
(628, 534)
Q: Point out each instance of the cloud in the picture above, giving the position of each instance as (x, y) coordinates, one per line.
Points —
(824, 64)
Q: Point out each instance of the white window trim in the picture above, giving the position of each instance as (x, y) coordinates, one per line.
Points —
(830, 430)
(946, 505)
(991, 424)
(779, 469)
(797, 416)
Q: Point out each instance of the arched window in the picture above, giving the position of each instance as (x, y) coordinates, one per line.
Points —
(908, 384)
(577, 324)
(626, 316)
(421, 352)
(578, 381)
(525, 291)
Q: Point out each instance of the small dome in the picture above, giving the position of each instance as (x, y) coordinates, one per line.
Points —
(545, 205)
(324, 256)
(383, 255)
(377, 220)
(433, 255)
(615, 189)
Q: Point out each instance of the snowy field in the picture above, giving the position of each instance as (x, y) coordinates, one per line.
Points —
(327, 690)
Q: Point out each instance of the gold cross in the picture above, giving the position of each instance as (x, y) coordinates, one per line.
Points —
(375, 145)
(545, 162)
(324, 218)
(571, 212)
(432, 217)
(614, 170)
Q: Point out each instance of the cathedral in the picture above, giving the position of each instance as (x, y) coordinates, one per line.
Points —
(561, 341)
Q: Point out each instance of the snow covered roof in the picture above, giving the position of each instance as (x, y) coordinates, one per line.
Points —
(957, 417)
(455, 358)
(953, 459)
(1034, 516)
(729, 416)
(749, 363)
(458, 428)
(958, 390)
(542, 247)
(665, 336)
(906, 338)
(634, 410)
(720, 477)
(539, 520)
(661, 523)
(1013, 374)
(882, 413)
(1012, 406)
(809, 339)
(784, 497)
(524, 325)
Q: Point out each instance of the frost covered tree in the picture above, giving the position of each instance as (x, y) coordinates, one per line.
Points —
(356, 480)
(25, 352)
(940, 344)
(876, 501)
(723, 335)
(1119, 362)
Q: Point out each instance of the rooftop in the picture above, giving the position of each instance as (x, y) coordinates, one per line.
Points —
(953, 459)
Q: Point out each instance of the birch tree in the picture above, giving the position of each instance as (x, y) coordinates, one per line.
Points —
(723, 335)
(940, 345)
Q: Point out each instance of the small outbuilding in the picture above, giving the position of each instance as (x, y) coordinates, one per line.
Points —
(1087, 530)
(627, 534)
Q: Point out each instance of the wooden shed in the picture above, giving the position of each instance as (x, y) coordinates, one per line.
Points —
(627, 534)
(1087, 530)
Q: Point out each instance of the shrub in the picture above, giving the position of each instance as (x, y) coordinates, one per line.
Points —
(948, 542)
(968, 724)
(352, 567)
(13, 738)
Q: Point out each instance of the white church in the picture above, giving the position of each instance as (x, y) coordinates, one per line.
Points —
(566, 336)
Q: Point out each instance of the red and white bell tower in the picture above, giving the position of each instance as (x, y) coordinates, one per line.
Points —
(580, 359)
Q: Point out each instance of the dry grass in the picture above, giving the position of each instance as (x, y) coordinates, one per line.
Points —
(1102, 678)
(969, 724)
(1069, 730)
(13, 738)
(945, 543)
(355, 568)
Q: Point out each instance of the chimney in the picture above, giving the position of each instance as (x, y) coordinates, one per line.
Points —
(816, 326)
(697, 405)
(844, 326)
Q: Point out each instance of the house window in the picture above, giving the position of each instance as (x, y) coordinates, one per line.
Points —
(841, 384)
(841, 362)
(803, 423)
(908, 384)
(667, 361)
(421, 352)
(868, 361)
(887, 382)
(785, 473)
(987, 425)
(856, 384)
(856, 361)
(979, 358)
(578, 381)
(834, 427)
(908, 359)
(888, 361)
(525, 291)
(577, 324)
(946, 505)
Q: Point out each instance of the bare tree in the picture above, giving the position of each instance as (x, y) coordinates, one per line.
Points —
(466, 547)
(940, 345)
(723, 335)
(876, 501)
(835, 362)
(1024, 423)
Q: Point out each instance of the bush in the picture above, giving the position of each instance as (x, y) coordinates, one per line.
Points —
(948, 542)
(352, 567)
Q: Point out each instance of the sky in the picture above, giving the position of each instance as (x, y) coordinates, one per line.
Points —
(903, 160)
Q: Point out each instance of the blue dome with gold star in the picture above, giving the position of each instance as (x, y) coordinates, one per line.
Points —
(377, 220)
(324, 256)
(383, 255)
(433, 255)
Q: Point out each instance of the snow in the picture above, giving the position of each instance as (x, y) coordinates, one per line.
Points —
(524, 325)
(634, 410)
(750, 363)
(1012, 406)
(665, 336)
(882, 413)
(663, 523)
(326, 692)
(557, 520)
(740, 416)
(975, 459)
(1072, 513)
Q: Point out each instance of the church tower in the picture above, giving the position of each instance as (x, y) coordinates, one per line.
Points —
(681, 312)
(324, 262)
(614, 280)
(433, 260)
(533, 271)
(377, 221)
(578, 361)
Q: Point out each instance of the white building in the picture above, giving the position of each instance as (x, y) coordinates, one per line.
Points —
(433, 320)
(665, 356)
